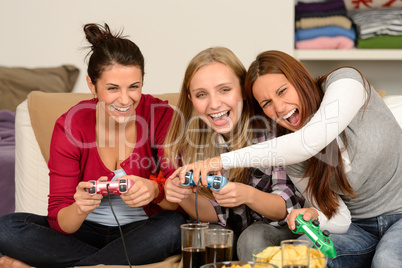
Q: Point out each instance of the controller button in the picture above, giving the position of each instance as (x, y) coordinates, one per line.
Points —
(122, 188)
(317, 244)
(326, 233)
(123, 181)
(216, 185)
(297, 223)
(316, 223)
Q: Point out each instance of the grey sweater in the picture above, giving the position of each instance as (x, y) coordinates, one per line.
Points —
(373, 160)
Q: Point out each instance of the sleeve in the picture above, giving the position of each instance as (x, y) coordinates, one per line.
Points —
(221, 212)
(342, 100)
(64, 167)
(283, 186)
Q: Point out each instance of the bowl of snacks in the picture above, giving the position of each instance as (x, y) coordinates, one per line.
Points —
(273, 255)
(239, 264)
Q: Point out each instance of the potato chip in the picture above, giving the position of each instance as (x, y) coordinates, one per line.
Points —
(268, 252)
(274, 255)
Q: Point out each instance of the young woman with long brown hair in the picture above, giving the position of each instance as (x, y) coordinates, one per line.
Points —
(341, 146)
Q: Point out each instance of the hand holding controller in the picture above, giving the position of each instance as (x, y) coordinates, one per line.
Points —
(321, 239)
(215, 182)
(115, 187)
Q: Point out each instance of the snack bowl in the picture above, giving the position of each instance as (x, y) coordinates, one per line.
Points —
(239, 264)
(273, 255)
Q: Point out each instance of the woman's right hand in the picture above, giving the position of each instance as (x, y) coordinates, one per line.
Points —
(86, 203)
(175, 192)
(200, 168)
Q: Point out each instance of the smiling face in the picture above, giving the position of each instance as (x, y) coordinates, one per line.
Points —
(215, 92)
(279, 100)
(119, 91)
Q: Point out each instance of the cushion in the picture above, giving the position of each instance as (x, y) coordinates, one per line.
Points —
(17, 83)
(45, 109)
(7, 160)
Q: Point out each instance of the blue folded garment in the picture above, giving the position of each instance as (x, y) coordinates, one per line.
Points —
(303, 34)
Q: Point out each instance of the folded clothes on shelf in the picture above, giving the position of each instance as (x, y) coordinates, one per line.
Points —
(326, 42)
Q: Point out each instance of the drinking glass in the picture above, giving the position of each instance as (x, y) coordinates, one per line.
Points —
(219, 245)
(193, 244)
(295, 253)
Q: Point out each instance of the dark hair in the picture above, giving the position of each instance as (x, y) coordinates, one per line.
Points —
(109, 49)
(326, 164)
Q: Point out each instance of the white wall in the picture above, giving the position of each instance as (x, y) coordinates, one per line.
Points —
(46, 33)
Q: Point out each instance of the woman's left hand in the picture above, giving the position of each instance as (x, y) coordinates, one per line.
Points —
(232, 194)
(141, 193)
(308, 214)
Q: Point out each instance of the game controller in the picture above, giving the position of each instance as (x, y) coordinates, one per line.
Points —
(321, 239)
(215, 182)
(115, 187)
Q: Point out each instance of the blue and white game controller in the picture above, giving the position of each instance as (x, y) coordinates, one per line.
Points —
(215, 182)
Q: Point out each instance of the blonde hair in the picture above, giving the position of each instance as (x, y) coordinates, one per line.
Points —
(189, 139)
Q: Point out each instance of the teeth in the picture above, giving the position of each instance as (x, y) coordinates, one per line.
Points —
(218, 114)
(289, 114)
(121, 109)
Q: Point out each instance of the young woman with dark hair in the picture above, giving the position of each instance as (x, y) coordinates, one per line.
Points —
(116, 135)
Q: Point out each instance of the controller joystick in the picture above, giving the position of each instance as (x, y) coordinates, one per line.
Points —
(115, 187)
(321, 239)
(216, 182)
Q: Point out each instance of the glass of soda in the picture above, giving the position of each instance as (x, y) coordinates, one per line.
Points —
(219, 245)
(193, 244)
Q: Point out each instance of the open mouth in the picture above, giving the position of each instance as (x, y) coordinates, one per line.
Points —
(222, 116)
(293, 117)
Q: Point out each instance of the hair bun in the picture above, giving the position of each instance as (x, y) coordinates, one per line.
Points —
(97, 34)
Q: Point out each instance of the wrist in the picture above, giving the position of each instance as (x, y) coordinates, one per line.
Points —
(160, 181)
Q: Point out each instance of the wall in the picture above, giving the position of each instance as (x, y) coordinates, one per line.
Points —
(45, 33)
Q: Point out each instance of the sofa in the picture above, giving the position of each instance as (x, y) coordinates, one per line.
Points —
(34, 123)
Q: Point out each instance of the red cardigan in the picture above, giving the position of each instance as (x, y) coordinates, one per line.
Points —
(74, 156)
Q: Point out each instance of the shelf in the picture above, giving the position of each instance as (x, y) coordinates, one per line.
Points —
(350, 54)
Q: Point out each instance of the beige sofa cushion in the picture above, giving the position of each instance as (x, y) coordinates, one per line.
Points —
(45, 109)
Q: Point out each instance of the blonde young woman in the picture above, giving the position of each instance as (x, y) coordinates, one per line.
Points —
(212, 119)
